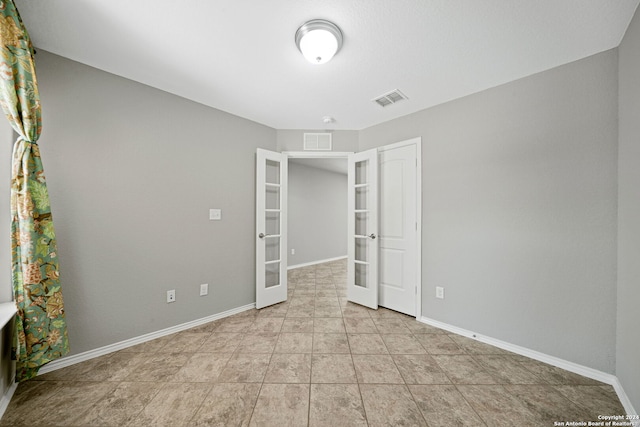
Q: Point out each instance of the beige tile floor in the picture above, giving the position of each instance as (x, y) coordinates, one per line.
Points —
(315, 360)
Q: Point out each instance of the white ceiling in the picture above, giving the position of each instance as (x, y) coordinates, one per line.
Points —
(239, 55)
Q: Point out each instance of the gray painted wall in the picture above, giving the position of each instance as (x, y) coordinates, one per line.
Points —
(6, 148)
(317, 214)
(132, 173)
(6, 290)
(341, 140)
(6, 293)
(628, 332)
(519, 209)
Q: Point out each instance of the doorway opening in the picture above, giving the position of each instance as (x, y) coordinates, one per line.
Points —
(384, 257)
(317, 210)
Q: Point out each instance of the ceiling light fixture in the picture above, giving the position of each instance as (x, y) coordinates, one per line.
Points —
(319, 40)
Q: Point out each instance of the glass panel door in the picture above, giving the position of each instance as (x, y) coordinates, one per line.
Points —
(362, 271)
(271, 221)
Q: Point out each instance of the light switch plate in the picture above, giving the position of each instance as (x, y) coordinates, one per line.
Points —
(215, 214)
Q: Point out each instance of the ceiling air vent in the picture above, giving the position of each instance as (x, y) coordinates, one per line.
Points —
(390, 98)
(317, 141)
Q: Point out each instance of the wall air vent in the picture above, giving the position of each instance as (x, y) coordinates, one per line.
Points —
(390, 98)
(317, 141)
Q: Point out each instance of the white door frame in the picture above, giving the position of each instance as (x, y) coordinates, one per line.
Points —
(418, 144)
(317, 154)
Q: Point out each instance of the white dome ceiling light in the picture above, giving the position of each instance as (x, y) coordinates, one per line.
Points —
(319, 40)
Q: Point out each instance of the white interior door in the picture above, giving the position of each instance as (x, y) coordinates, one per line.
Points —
(271, 228)
(362, 206)
(398, 232)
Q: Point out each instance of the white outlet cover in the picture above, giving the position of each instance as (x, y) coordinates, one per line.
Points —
(171, 296)
(215, 214)
(439, 292)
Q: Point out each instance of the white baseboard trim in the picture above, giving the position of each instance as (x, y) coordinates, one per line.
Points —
(307, 264)
(6, 399)
(542, 357)
(87, 355)
(624, 399)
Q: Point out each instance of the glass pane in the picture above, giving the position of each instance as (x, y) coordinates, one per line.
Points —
(361, 249)
(272, 223)
(272, 248)
(361, 223)
(272, 199)
(272, 172)
(272, 274)
(361, 197)
(361, 172)
(361, 275)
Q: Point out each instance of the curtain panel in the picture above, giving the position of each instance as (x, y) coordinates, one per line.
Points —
(40, 334)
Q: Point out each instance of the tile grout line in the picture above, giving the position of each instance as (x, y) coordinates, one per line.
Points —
(364, 409)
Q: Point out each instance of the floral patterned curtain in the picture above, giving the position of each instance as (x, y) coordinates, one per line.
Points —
(40, 327)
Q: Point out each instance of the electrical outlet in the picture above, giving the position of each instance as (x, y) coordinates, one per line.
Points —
(171, 296)
(293, 251)
(439, 292)
(204, 289)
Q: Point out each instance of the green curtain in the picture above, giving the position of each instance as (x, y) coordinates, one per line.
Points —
(40, 327)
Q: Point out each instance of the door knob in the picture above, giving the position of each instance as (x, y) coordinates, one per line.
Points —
(372, 236)
(262, 235)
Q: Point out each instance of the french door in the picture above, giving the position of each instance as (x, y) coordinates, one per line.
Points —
(362, 228)
(271, 228)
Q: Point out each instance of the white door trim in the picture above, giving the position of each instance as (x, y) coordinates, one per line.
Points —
(418, 144)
